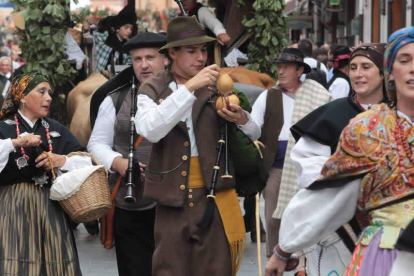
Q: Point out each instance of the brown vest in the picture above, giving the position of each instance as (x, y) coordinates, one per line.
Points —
(168, 169)
(273, 123)
(121, 145)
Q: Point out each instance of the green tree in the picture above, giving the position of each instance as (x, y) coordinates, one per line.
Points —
(43, 44)
(268, 28)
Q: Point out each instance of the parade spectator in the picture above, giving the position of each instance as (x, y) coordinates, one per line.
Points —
(113, 32)
(35, 236)
(5, 75)
(133, 222)
(4, 50)
(306, 46)
(274, 111)
(319, 73)
(321, 55)
(339, 85)
(212, 25)
(16, 61)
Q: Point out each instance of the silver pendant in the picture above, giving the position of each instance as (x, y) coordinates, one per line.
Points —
(21, 162)
(10, 122)
(45, 124)
(41, 180)
(54, 134)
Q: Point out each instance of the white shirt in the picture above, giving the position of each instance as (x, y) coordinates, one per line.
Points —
(313, 63)
(155, 121)
(339, 88)
(209, 20)
(308, 157)
(72, 163)
(7, 85)
(314, 214)
(102, 138)
(259, 109)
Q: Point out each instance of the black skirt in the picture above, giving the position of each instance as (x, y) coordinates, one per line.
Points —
(35, 238)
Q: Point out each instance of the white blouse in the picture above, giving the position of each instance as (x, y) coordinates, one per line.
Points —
(314, 214)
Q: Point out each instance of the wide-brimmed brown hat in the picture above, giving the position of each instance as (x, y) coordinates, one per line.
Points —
(184, 31)
(292, 55)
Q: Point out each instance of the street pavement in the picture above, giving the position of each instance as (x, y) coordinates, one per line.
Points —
(95, 260)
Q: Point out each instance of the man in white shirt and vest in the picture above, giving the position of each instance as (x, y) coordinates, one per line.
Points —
(175, 113)
(110, 141)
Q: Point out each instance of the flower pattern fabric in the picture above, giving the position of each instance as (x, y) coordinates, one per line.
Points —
(368, 149)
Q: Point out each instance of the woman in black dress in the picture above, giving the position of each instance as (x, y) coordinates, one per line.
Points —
(35, 238)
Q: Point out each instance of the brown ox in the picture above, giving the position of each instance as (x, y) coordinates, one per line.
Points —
(78, 104)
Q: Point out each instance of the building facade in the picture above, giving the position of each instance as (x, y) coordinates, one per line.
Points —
(116, 5)
(347, 21)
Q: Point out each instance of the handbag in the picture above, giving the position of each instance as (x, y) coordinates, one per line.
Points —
(107, 222)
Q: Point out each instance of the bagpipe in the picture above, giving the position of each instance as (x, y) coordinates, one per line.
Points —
(249, 170)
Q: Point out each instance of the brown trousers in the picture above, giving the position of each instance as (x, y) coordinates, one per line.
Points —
(183, 249)
(271, 194)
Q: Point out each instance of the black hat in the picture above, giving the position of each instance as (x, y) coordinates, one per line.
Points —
(341, 55)
(341, 50)
(145, 40)
(126, 16)
(292, 55)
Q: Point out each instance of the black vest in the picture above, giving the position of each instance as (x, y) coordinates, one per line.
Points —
(272, 126)
(121, 145)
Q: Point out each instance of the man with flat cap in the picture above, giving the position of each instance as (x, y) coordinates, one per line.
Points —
(110, 120)
(176, 114)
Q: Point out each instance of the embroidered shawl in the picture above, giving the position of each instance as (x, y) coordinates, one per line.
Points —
(368, 150)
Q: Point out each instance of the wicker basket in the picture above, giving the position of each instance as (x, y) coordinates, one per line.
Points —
(92, 201)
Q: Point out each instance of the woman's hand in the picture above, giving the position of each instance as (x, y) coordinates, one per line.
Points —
(29, 140)
(275, 267)
(47, 159)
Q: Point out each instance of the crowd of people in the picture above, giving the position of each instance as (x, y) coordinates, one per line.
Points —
(337, 131)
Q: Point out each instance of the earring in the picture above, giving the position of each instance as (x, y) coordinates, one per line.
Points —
(24, 104)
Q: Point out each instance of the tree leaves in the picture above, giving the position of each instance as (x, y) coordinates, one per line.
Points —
(268, 27)
(43, 41)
